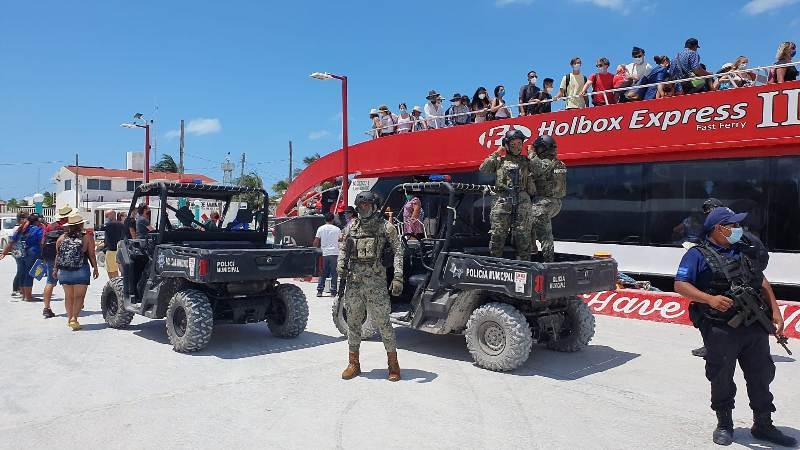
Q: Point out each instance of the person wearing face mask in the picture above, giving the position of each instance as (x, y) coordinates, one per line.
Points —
(418, 120)
(412, 217)
(545, 97)
(480, 105)
(529, 93)
(639, 68)
(572, 85)
(498, 108)
(388, 121)
(786, 51)
(739, 75)
(599, 82)
(549, 179)
(457, 113)
(512, 173)
(404, 121)
(706, 275)
(434, 114)
(362, 265)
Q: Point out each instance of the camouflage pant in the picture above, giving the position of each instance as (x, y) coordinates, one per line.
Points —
(500, 218)
(544, 209)
(367, 291)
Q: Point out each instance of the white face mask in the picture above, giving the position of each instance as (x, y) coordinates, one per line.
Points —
(532, 80)
(743, 66)
(638, 59)
(603, 70)
(481, 96)
(576, 67)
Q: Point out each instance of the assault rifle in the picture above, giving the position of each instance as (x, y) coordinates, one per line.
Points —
(514, 175)
(348, 250)
(751, 310)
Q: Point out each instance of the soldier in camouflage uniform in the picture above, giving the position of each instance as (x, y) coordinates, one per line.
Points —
(508, 168)
(365, 278)
(550, 178)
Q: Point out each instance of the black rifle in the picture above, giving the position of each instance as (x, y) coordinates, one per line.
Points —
(752, 309)
(348, 250)
(514, 175)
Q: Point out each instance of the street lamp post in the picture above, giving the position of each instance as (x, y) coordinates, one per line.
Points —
(146, 126)
(345, 149)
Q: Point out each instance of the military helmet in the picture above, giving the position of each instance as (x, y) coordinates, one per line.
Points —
(366, 197)
(547, 142)
(512, 134)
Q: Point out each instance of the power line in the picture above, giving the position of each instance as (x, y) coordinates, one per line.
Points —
(33, 163)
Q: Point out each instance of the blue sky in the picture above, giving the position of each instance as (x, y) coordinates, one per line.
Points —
(237, 72)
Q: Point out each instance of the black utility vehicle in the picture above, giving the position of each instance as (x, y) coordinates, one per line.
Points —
(197, 275)
(501, 305)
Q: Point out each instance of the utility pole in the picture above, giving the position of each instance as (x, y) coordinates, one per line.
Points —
(77, 205)
(241, 177)
(290, 161)
(180, 164)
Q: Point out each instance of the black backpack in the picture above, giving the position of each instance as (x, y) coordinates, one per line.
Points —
(49, 248)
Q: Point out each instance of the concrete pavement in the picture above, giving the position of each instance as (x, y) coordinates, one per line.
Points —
(636, 386)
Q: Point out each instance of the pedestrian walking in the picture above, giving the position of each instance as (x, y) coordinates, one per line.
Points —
(327, 240)
(26, 247)
(51, 235)
(75, 251)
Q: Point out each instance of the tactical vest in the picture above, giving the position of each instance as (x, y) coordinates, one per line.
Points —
(552, 179)
(370, 240)
(504, 174)
(742, 271)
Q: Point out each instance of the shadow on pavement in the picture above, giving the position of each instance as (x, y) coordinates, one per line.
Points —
(782, 358)
(93, 326)
(542, 362)
(416, 375)
(239, 341)
(742, 436)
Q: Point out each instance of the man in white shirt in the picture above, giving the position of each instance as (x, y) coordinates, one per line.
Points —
(327, 240)
(639, 67)
(434, 113)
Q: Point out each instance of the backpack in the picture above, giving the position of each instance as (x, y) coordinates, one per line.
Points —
(70, 254)
(566, 86)
(49, 248)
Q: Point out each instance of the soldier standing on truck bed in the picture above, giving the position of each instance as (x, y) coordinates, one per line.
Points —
(365, 253)
(550, 178)
(513, 188)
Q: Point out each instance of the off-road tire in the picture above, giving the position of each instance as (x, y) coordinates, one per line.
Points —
(498, 337)
(579, 320)
(112, 306)
(289, 314)
(190, 321)
(368, 328)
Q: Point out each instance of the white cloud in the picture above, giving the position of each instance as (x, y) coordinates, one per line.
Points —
(755, 7)
(197, 127)
(623, 6)
(314, 135)
(512, 2)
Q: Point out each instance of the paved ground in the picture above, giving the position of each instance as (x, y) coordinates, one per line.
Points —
(636, 386)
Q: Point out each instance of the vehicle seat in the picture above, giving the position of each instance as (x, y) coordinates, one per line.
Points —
(185, 216)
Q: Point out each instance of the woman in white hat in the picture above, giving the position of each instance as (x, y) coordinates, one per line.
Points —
(376, 123)
(73, 249)
(419, 122)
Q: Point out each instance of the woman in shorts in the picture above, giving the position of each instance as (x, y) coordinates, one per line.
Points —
(75, 250)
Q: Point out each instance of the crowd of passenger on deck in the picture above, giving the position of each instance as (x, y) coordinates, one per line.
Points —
(635, 81)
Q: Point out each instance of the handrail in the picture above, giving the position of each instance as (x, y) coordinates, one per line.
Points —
(372, 131)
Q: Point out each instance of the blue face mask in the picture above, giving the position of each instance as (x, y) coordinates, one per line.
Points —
(501, 94)
(736, 235)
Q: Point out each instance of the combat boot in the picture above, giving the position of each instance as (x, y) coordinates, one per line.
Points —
(723, 434)
(394, 366)
(764, 429)
(353, 367)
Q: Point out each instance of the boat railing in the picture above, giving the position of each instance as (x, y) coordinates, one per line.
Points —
(761, 76)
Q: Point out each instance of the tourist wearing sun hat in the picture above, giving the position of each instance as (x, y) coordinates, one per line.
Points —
(51, 235)
(434, 113)
(75, 251)
(388, 121)
(419, 122)
(376, 123)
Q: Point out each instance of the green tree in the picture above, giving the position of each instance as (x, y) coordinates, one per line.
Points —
(254, 200)
(49, 199)
(13, 203)
(280, 187)
(308, 160)
(167, 164)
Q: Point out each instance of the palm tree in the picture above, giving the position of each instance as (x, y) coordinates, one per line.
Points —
(167, 164)
(49, 199)
(253, 200)
(310, 159)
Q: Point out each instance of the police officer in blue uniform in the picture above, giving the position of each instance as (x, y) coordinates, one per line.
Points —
(706, 274)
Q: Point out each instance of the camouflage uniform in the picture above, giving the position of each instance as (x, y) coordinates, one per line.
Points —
(500, 215)
(366, 277)
(550, 178)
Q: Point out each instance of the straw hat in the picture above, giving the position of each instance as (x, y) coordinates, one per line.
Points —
(373, 112)
(64, 212)
(417, 109)
(75, 219)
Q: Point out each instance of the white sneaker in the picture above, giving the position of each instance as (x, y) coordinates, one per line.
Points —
(16, 294)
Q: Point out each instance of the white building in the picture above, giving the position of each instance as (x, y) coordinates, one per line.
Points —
(98, 186)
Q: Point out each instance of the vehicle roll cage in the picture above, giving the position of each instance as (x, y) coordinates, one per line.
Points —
(165, 190)
(452, 191)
